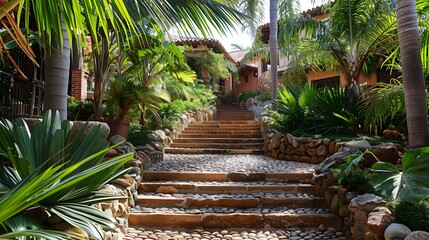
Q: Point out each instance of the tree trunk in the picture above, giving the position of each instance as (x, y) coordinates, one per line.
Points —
(273, 50)
(57, 78)
(101, 59)
(412, 73)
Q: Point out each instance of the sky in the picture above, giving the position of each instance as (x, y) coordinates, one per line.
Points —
(245, 40)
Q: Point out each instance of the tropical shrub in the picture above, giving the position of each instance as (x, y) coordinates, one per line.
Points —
(51, 171)
(246, 95)
(77, 110)
(384, 105)
(411, 184)
(331, 112)
(170, 112)
(351, 175)
(292, 106)
(266, 96)
(413, 215)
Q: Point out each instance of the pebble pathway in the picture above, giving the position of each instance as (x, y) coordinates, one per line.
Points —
(228, 163)
(272, 234)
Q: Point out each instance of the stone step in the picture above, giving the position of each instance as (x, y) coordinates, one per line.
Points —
(219, 140)
(228, 122)
(272, 233)
(213, 151)
(289, 177)
(219, 135)
(240, 201)
(234, 118)
(235, 114)
(257, 218)
(230, 145)
(226, 187)
(221, 131)
(234, 111)
(223, 127)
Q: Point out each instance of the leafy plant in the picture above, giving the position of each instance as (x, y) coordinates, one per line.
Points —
(246, 95)
(292, 107)
(214, 67)
(351, 165)
(411, 184)
(126, 93)
(170, 112)
(76, 110)
(48, 169)
(331, 113)
(413, 215)
(384, 105)
(264, 96)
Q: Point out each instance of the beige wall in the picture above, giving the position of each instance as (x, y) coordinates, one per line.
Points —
(314, 76)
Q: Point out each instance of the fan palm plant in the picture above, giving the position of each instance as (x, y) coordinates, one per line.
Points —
(353, 41)
(46, 171)
(384, 104)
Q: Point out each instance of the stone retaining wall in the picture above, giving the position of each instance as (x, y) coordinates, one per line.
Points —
(299, 149)
(362, 217)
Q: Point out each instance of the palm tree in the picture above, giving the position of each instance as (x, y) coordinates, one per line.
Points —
(57, 21)
(273, 49)
(353, 41)
(412, 73)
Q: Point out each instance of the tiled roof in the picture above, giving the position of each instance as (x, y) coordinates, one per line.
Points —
(210, 42)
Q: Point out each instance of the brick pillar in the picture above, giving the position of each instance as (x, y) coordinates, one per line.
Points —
(78, 84)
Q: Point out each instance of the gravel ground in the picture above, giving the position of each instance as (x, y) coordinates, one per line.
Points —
(272, 234)
(228, 163)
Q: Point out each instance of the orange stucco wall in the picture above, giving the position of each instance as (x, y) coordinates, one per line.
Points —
(314, 76)
(228, 86)
(244, 86)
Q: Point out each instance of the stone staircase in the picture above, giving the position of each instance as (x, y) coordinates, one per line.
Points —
(191, 200)
(234, 132)
(243, 193)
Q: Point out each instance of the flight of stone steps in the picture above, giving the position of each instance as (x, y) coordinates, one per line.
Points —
(215, 193)
(203, 200)
(233, 132)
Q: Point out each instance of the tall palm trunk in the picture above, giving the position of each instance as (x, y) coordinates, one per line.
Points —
(412, 73)
(57, 77)
(273, 50)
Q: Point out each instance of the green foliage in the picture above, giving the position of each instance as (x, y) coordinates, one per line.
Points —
(264, 96)
(170, 112)
(49, 168)
(127, 92)
(411, 184)
(331, 113)
(322, 111)
(292, 107)
(413, 215)
(351, 176)
(358, 181)
(246, 95)
(216, 65)
(384, 105)
(76, 110)
(139, 137)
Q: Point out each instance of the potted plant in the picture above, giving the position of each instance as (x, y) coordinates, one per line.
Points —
(125, 93)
